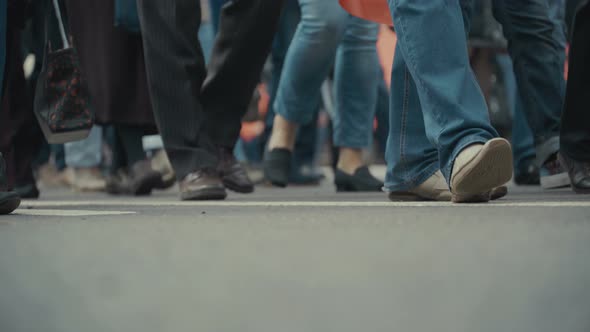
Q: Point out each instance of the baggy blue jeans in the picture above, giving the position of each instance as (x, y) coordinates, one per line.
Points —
(437, 108)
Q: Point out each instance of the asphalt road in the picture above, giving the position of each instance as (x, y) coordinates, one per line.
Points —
(296, 260)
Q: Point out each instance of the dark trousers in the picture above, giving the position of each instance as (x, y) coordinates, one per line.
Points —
(199, 109)
(575, 126)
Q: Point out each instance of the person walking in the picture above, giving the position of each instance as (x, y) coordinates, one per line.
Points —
(441, 144)
(199, 109)
(328, 35)
(575, 125)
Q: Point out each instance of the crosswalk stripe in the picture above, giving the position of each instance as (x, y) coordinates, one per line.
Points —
(69, 213)
(166, 203)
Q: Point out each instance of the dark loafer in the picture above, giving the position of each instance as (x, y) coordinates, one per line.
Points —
(277, 167)
(9, 200)
(232, 173)
(361, 180)
(579, 173)
(204, 184)
(27, 191)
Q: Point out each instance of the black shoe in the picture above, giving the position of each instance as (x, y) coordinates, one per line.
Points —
(277, 167)
(362, 180)
(9, 200)
(28, 191)
(202, 185)
(579, 173)
(528, 174)
(233, 175)
(139, 181)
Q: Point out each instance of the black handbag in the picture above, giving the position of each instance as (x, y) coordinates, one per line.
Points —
(62, 100)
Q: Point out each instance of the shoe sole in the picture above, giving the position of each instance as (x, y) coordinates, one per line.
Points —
(581, 191)
(561, 180)
(490, 169)
(237, 188)
(205, 194)
(9, 206)
(407, 197)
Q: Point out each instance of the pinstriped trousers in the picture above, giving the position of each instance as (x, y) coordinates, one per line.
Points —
(199, 109)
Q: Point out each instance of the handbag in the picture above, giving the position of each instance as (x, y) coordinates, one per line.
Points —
(62, 100)
(371, 10)
(126, 15)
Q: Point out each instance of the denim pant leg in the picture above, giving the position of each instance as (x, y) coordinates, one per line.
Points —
(431, 39)
(411, 158)
(310, 58)
(523, 145)
(537, 49)
(356, 82)
(85, 153)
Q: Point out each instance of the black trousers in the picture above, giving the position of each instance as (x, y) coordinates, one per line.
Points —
(575, 123)
(199, 109)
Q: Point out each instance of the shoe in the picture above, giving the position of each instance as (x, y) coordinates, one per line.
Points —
(27, 191)
(277, 167)
(433, 189)
(9, 200)
(480, 168)
(499, 192)
(528, 174)
(233, 175)
(554, 175)
(140, 180)
(361, 180)
(161, 164)
(204, 184)
(88, 180)
(579, 173)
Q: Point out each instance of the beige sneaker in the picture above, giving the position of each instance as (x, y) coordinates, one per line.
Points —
(479, 169)
(88, 179)
(433, 189)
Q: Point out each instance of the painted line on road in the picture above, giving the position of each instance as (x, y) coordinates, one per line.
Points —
(165, 203)
(69, 213)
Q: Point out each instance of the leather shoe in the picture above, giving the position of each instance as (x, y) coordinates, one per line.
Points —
(579, 173)
(277, 166)
(9, 200)
(140, 180)
(233, 175)
(204, 184)
(361, 181)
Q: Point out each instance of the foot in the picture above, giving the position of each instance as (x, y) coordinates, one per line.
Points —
(233, 175)
(527, 174)
(88, 179)
(161, 164)
(9, 200)
(27, 191)
(140, 180)
(579, 173)
(277, 166)
(480, 168)
(361, 180)
(553, 174)
(433, 189)
(204, 184)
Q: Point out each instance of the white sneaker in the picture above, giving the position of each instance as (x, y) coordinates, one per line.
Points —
(480, 168)
(433, 189)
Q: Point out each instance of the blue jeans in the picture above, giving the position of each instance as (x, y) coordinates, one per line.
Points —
(437, 108)
(522, 136)
(86, 153)
(327, 32)
(536, 36)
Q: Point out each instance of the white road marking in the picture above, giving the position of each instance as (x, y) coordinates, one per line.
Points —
(69, 213)
(165, 203)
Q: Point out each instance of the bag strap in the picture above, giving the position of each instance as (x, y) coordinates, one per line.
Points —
(60, 23)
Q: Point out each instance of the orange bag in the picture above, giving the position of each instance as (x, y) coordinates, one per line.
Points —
(372, 10)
